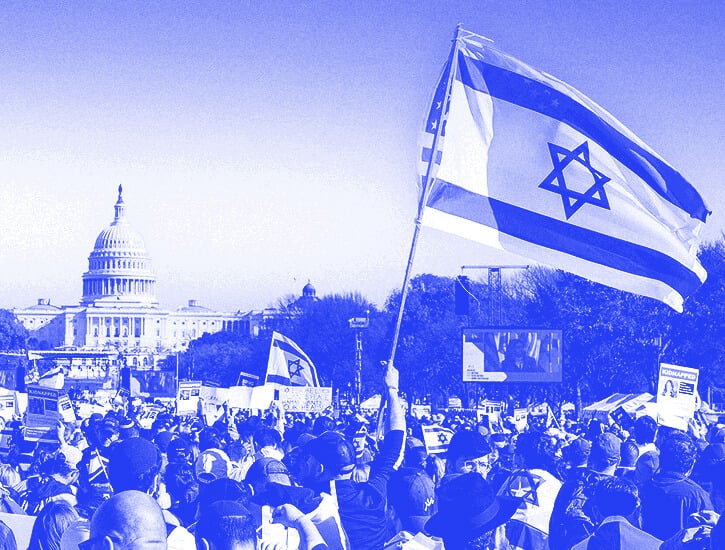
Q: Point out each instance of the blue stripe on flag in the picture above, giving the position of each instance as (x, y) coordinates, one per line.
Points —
(533, 95)
(557, 235)
(284, 346)
(278, 379)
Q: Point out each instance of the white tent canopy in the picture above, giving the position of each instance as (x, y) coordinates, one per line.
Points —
(635, 404)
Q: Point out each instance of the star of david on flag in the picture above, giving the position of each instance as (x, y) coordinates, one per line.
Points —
(436, 438)
(518, 160)
(288, 365)
(556, 180)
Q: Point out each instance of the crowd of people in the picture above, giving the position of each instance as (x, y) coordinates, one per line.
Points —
(276, 481)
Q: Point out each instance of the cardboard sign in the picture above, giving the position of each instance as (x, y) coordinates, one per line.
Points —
(676, 395)
(45, 407)
(240, 397)
(305, 399)
(213, 395)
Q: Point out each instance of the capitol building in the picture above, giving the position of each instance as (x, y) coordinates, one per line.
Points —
(119, 311)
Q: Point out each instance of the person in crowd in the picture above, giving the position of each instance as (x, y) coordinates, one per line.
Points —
(328, 462)
(212, 464)
(268, 443)
(670, 496)
(9, 482)
(469, 451)
(183, 489)
(225, 525)
(129, 520)
(94, 486)
(645, 468)
(575, 458)
(571, 518)
(616, 511)
(52, 520)
(536, 486)
(644, 432)
(56, 482)
(470, 516)
(75, 534)
(135, 465)
(411, 496)
(630, 454)
(7, 538)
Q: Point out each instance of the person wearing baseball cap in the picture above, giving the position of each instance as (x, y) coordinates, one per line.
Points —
(571, 519)
(327, 464)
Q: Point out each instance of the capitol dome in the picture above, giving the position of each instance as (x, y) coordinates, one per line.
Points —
(119, 268)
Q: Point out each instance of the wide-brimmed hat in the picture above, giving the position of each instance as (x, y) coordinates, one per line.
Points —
(468, 507)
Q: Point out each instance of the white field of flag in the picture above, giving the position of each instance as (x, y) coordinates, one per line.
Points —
(526, 163)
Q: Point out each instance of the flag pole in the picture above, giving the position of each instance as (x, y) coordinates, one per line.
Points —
(425, 191)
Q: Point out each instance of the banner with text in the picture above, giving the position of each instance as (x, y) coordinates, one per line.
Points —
(676, 395)
(305, 399)
(45, 407)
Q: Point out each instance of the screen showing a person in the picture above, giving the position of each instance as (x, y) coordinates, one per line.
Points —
(511, 355)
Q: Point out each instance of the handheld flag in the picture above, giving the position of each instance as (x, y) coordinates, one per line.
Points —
(288, 364)
(436, 438)
(515, 159)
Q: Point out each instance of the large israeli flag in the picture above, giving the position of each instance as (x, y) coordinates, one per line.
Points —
(518, 160)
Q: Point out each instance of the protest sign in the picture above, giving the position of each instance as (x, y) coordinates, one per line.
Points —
(213, 394)
(7, 404)
(419, 411)
(45, 407)
(676, 395)
(521, 418)
(187, 398)
(239, 397)
(305, 399)
(262, 397)
(147, 415)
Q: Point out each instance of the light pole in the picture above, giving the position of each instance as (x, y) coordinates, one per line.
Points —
(358, 324)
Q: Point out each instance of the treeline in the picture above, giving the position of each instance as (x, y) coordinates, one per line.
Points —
(613, 341)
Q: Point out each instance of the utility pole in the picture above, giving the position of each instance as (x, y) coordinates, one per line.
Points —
(358, 324)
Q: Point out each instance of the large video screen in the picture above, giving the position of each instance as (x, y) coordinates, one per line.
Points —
(511, 355)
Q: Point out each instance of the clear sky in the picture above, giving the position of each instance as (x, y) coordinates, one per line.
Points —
(262, 144)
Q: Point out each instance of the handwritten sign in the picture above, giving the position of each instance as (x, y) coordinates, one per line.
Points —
(305, 399)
